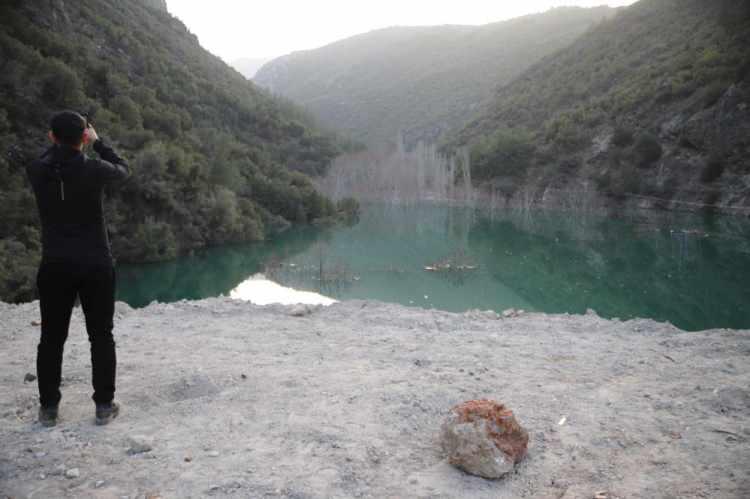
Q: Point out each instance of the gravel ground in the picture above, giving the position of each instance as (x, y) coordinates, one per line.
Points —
(236, 400)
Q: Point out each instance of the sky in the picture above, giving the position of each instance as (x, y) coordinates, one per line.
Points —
(234, 29)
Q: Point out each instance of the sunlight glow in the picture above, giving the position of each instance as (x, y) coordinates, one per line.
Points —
(235, 29)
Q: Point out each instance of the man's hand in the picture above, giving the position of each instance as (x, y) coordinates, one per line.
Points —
(91, 135)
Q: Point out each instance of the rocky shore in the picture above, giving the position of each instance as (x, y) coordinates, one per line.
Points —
(226, 399)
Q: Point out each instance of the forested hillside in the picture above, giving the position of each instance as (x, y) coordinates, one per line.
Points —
(420, 81)
(215, 158)
(652, 103)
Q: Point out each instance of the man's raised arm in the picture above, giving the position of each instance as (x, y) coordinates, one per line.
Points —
(111, 166)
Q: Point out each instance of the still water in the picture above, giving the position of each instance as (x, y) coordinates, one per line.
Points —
(691, 270)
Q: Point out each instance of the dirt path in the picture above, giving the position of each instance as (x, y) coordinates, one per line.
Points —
(244, 401)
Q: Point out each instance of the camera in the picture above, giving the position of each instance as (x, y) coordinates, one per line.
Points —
(88, 116)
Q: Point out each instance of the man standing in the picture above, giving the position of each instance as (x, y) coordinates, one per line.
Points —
(76, 259)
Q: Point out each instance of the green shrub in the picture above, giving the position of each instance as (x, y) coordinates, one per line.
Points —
(178, 163)
(508, 152)
(712, 93)
(60, 84)
(18, 265)
(566, 132)
(162, 121)
(647, 149)
(151, 162)
(225, 172)
(154, 241)
(713, 169)
(622, 137)
(348, 210)
(136, 139)
(624, 181)
(127, 111)
(225, 217)
(4, 122)
(252, 221)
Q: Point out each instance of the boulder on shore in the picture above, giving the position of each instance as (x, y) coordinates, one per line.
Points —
(483, 438)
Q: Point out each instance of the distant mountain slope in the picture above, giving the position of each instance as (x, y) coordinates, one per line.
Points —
(419, 80)
(211, 152)
(249, 66)
(156, 4)
(653, 102)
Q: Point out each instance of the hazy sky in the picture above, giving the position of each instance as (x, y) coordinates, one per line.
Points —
(233, 29)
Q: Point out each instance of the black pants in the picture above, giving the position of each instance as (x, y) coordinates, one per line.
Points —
(59, 284)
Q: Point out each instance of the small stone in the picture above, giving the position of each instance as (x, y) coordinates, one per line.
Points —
(300, 310)
(483, 438)
(99, 484)
(511, 312)
(138, 444)
(188, 459)
(29, 378)
(213, 453)
(58, 470)
(72, 473)
(42, 476)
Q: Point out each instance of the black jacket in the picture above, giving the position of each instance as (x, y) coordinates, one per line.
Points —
(69, 190)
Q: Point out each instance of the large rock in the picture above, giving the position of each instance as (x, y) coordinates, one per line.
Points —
(483, 438)
(138, 444)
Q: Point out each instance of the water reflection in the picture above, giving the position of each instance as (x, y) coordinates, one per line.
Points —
(212, 272)
(260, 291)
(690, 270)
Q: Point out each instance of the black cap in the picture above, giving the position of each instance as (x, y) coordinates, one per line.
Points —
(68, 127)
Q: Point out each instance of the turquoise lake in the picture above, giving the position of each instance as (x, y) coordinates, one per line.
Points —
(691, 270)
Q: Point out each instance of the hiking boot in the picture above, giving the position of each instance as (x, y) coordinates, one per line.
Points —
(48, 416)
(106, 412)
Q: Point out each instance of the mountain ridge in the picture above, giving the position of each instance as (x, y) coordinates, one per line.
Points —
(157, 4)
(652, 103)
(423, 80)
